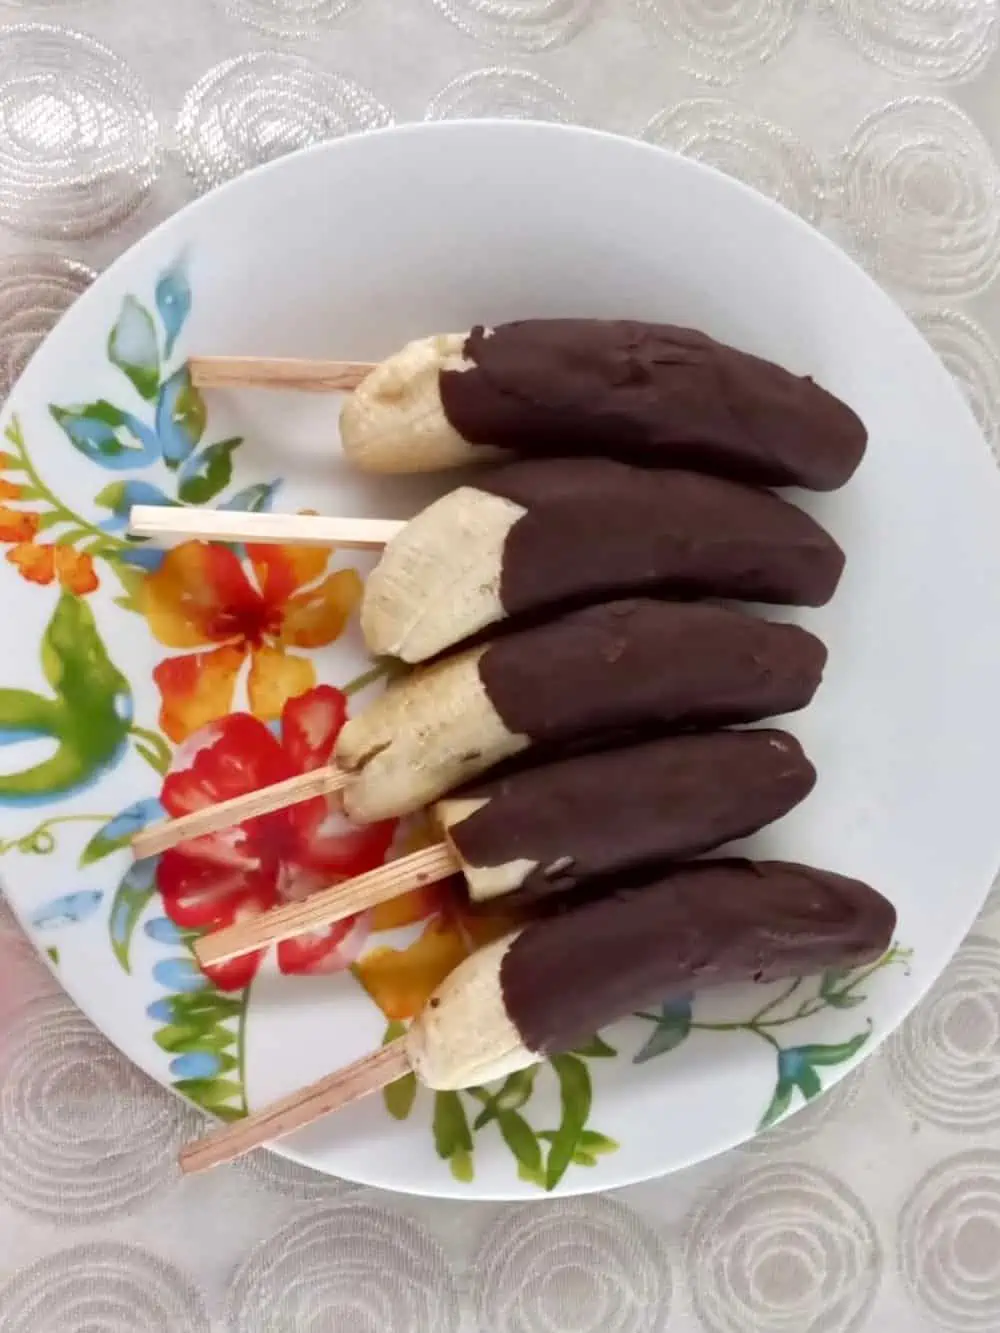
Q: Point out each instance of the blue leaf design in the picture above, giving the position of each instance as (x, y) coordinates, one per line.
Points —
(120, 831)
(106, 435)
(196, 1064)
(148, 558)
(132, 347)
(256, 499)
(131, 900)
(120, 496)
(173, 301)
(179, 974)
(160, 1011)
(163, 931)
(671, 1029)
(68, 910)
(180, 417)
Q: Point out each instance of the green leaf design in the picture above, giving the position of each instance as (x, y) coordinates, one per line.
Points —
(89, 716)
(131, 899)
(178, 1040)
(462, 1166)
(212, 1094)
(204, 1008)
(582, 1158)
(576, 1095)
(530, 1177)
(520, 1139)
(596, 1049)
(53, 956)
(399, 1096)
(779, 1104)
(131, 580)
(597, 1144)
(666, 1036)
(834, 989)
(204, 475)
(515, 1092)
(133, 348)
(451, 1128)
(836, 1054)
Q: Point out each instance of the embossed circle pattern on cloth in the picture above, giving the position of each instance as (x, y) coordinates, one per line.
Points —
(591, 1265)
(525, 25)
(281, 1176)
(944, 42)
(79, 144)
(973, 358)
(288, 18)
(744, 145)
(949, 1243)
(944, 1061)
(516, 94)
(255, 108)
(351, 1266)
(919, 192)
(84, 1136)
(813, 1118)
(105, 1287)
(35, 289)
(717, 42)
(783, 1248)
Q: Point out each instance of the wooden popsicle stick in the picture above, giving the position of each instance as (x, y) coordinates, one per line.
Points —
(370, 1074)
(221, 525)
(273, 372)
(161, 837)
(322, 909)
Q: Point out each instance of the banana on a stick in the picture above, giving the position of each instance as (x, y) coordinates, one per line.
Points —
(536, 535)
(607, 669)
(653, 394)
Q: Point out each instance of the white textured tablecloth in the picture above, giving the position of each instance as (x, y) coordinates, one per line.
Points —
(878, 1208)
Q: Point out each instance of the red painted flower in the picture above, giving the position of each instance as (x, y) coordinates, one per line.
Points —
(224, 877)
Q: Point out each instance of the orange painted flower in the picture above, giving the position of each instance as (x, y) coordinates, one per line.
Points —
(400, 981)
(40, 563)
(16, 526)
(203, 597)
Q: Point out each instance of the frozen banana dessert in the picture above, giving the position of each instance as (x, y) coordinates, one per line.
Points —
(606, 669)
(538, 535)
(652, 394)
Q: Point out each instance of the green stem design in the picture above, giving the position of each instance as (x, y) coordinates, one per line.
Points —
(241, 1045)
(109, 543)
(40, 841)
(765, 1018)
(154, 749)
(385, 669)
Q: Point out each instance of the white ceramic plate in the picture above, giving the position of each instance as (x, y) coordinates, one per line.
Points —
(348, 250)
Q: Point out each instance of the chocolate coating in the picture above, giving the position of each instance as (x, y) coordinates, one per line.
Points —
(707, 924)
(643, 663)
(653, 394)
(596, 529)
(609, 813)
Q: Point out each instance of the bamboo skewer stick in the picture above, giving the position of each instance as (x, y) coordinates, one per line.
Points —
(222, 525)
(161, 837)
(322, 909)
(272, 372)
(370, 1074)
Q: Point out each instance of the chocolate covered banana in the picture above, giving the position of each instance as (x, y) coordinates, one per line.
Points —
(536, 535)
(549, 986)
(557, 981)
(616, 667)
(534, 833)
(652, 394)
